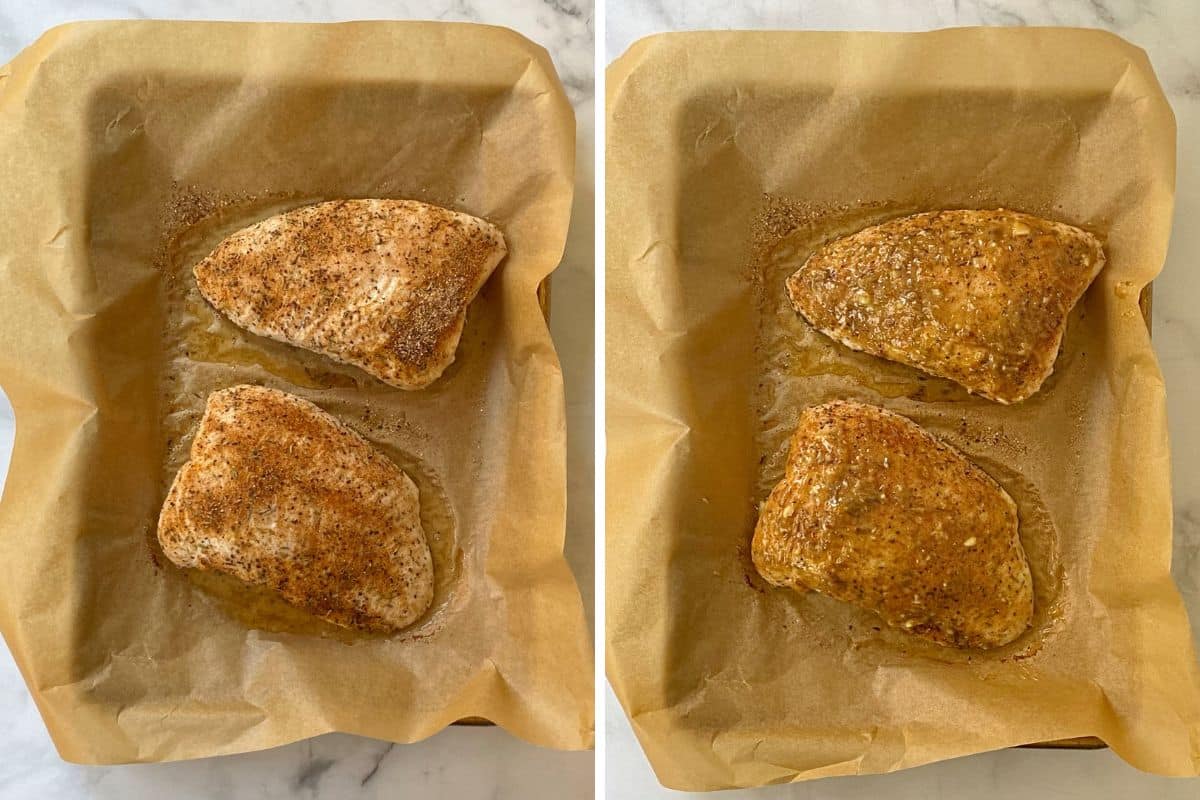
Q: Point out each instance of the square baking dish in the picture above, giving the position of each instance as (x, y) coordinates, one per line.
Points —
(130, 149)
(730, 156)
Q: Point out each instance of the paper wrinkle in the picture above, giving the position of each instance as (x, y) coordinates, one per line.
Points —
(46, 392)
(659, 303)
(1131, 84)
(672, 251)
(42, 287)
(133, 661)
(857, 127)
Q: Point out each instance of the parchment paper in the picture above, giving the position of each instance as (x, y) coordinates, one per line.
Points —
(732, 155)
(129, 150)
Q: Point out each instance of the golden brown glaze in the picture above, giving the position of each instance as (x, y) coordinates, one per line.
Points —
(281, 494)
(979, 297)
(380, 284)
(874, 511)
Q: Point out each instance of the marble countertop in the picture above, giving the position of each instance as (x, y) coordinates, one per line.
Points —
(1167, 30)
(459, 762)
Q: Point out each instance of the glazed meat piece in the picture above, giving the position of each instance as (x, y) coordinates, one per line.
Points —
(281, 494)
(874, 511)
(380, 284)
(979, 297)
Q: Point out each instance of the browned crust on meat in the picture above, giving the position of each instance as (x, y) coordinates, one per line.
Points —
(875, 511)
(979, 297)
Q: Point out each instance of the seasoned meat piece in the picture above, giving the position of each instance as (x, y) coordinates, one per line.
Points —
(279, 493)
(874, 511)
(979, 297)
(380, 284)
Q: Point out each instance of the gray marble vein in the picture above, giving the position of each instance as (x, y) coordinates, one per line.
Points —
(459, 762)
(1168, 30)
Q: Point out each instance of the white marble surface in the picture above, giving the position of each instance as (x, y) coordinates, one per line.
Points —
(460, 762)
(1168, 30)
